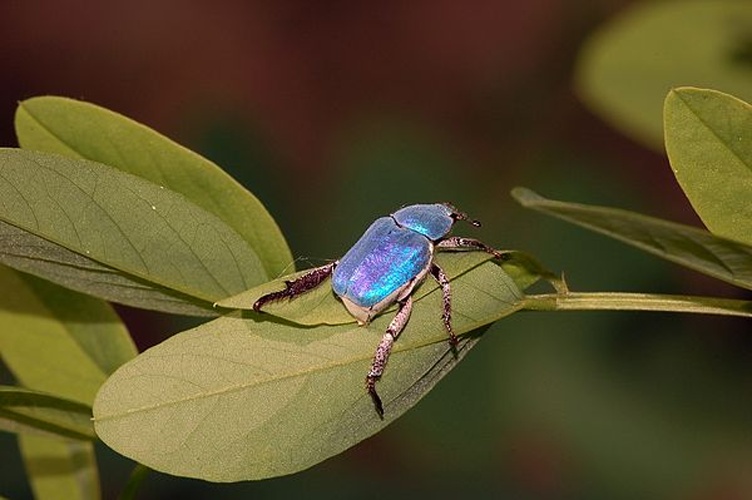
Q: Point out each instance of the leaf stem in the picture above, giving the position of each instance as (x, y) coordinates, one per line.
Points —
(618, 301)
(134, 482)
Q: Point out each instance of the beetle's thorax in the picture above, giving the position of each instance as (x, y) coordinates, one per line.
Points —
(434, 221)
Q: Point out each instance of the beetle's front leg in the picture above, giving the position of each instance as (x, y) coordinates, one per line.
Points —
(443, 281)
(300, 285)
(462, 243)
(385, 348)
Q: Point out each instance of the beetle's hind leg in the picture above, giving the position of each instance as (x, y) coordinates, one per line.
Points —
(384, 348)
(462, 243)
(300, 285)
(446, 291)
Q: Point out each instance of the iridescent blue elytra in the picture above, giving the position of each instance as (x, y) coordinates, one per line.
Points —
(384, 266)
(395, 252)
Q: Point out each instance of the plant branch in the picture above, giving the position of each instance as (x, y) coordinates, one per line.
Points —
(617, 301)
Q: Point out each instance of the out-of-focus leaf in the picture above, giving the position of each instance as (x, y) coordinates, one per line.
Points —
(628, 65)
(691, 247)
(709, 144)
(24, 411)
(249, 397)
(64, 343)
(82, 130)
(137, 477)
(60, 469)
(84, 221)
(58, 341)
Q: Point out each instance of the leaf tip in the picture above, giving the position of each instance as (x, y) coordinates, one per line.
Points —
(525, 196)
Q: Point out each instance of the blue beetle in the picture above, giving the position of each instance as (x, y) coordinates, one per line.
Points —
(392, 257)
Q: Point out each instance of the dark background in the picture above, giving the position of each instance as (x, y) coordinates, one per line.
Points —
(336, 112)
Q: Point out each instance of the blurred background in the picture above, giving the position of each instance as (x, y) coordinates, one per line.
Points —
(336, 112)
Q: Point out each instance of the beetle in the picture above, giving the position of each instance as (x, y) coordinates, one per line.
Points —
(393, 256)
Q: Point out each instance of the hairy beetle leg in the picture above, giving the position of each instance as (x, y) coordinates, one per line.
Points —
(462, 243)
(383, 350)
(298, 286)
(441, 278)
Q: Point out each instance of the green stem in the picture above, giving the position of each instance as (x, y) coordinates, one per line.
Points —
(134, 482)
(636, 302)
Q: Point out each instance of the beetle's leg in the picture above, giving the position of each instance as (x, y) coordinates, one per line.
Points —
(293, 288)
(462, 243)
(443, 281)
(385, 348)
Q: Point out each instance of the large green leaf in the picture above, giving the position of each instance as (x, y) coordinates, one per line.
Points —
(628, 65)
(95, 229)
(25, 411)
(694, 248)
(709, 144)
(249, 397)
(82, 130)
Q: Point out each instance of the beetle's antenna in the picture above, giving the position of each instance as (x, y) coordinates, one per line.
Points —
(457, 215)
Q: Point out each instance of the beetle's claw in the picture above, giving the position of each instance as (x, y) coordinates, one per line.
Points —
(371, 387)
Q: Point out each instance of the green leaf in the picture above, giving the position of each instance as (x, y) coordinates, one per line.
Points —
(525, 270)
(82, 130)
(249, 397)
(628, 65)
(80, 223)
(64, 343)
(709, 144)
(57, 341)
(60, 469)
(691, 247)
(25, 411)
